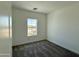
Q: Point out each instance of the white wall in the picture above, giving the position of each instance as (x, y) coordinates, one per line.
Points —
(5, 44)
(63, 28)
(19, 26)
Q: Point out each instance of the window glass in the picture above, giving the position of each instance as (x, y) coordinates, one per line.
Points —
(5, 27)
(31, 27)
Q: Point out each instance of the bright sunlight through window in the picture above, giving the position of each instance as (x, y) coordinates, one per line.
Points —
(31, 27)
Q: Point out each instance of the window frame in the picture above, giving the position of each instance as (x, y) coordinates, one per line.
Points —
(36, 27)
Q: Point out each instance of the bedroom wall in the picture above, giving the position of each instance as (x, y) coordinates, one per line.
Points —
(19, 26)
(63, 28)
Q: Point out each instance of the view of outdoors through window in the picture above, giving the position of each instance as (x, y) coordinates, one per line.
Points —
(31, 27)
(5, 27)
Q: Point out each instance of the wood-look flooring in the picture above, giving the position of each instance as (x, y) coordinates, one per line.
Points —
(42, 49)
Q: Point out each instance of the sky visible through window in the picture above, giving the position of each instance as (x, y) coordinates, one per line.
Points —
(4, 21)
(32, 22)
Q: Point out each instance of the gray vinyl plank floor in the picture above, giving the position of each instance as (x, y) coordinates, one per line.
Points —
(42, 48)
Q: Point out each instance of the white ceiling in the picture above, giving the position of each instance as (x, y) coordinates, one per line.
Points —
(43, 6)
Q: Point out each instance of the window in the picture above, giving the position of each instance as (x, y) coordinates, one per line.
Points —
(31, 27)
(5, 27)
